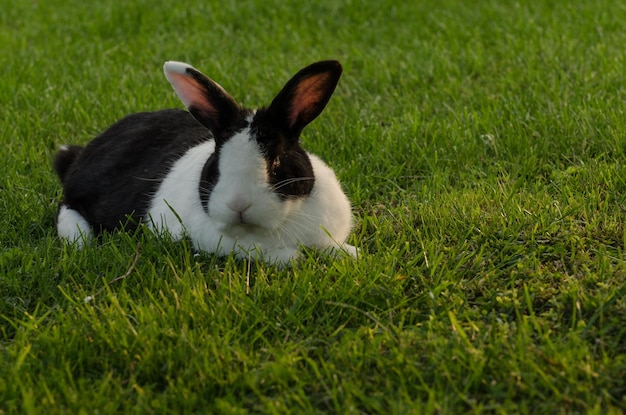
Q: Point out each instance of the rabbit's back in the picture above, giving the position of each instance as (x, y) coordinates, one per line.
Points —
(116, 174)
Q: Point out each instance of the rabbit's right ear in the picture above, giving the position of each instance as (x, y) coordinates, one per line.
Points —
(206, 99)
(304, 97)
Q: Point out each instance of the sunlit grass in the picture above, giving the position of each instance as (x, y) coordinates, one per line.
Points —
(481, 143)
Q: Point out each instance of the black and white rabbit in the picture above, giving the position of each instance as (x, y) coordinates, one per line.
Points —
(231, 179)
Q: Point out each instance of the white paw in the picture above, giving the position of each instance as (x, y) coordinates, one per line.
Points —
(352, 250)
(341, 250)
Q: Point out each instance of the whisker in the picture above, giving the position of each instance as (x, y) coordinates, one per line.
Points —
(148, 179)
(296, 227)
(286, 182)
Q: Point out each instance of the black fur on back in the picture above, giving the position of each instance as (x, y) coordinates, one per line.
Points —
(114, 177)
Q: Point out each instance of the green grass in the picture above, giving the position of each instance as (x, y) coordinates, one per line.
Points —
(481, 142)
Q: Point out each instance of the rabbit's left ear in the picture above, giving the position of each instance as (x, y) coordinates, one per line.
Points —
(304, 96)
(206, 99)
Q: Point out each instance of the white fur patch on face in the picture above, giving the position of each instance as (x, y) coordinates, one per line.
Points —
(73, 227)
(242, 195)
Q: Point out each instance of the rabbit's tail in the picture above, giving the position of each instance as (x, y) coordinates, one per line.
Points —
(64, 159)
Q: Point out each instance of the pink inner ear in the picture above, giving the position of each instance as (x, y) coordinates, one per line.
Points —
(308, 94)
(187, 89)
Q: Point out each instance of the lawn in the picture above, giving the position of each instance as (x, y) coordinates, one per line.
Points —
(482, 144)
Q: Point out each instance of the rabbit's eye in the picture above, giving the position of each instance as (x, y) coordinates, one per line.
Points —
(275, 165)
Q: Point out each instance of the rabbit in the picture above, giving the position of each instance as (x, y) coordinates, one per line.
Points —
(231, 179)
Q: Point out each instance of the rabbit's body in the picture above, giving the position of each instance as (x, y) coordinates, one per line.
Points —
(231, 179)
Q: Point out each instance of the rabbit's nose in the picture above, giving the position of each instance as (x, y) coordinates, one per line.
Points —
(239, 204)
